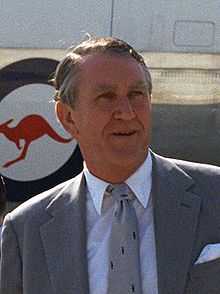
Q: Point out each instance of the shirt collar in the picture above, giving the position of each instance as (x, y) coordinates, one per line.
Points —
(140, 183)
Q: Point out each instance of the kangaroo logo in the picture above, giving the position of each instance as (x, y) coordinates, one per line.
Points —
(29, 129)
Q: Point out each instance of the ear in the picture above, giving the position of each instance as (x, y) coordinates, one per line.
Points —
(7, 122)
(65, 115)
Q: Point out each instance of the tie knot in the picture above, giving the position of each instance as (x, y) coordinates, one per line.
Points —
(120, 191)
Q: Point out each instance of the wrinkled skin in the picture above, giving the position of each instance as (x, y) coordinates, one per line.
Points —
(111, 119)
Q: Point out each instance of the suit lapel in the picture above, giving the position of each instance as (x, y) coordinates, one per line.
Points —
(176, 210)
(64, 240)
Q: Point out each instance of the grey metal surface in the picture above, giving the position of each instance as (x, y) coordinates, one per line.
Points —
(52, 23)
(186, 114)
(187, 132)
(169, 26)
(159, 26)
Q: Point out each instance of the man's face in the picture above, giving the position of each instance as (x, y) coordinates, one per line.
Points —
(112, 112)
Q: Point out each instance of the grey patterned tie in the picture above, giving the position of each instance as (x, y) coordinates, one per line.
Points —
(124, 259)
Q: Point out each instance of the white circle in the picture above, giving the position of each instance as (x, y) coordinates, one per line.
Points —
(46, 153)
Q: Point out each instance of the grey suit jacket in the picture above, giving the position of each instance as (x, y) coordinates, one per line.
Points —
(44, 240)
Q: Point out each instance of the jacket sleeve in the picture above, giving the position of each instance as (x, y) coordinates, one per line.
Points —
(10, 263)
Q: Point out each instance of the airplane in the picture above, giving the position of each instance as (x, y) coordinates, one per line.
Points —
(180, 42)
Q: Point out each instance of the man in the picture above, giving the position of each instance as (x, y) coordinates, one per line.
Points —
(2, 202)
(64, 240)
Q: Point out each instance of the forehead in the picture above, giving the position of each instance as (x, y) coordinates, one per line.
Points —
(110, 69)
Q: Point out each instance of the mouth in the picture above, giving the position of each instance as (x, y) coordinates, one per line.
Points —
(124, 134)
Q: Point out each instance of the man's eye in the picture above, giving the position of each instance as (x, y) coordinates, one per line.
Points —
(134, 94)
(106, 96)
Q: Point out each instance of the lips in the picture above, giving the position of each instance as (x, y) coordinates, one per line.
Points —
(126, 133)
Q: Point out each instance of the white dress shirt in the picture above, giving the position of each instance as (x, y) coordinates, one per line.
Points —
(99, 220)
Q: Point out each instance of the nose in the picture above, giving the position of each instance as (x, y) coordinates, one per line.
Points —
(124, 110)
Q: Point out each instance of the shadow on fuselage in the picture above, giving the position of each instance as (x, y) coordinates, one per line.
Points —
(190, 132)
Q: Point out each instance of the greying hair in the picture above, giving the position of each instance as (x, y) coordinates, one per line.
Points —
(67, 71)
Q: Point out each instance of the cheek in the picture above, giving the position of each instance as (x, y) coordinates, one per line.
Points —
(98, 119)
(144, 116)
(92, 127)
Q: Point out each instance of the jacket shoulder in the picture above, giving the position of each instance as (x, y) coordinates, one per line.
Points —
(205, 183)
(206, 177)
(38, 203)
(193, 169)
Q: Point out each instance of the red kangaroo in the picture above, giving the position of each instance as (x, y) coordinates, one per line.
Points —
(29, 129)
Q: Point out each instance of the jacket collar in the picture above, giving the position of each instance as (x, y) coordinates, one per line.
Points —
(176, 211)
(64, 239)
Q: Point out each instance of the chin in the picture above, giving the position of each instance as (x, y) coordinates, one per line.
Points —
(126, 161)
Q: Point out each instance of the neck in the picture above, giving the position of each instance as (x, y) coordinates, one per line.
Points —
(114, 173)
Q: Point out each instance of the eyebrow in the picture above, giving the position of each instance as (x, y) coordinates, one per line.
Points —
(139, 84)
(104, 87)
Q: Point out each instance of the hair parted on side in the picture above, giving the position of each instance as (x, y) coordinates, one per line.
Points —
(67, 72)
